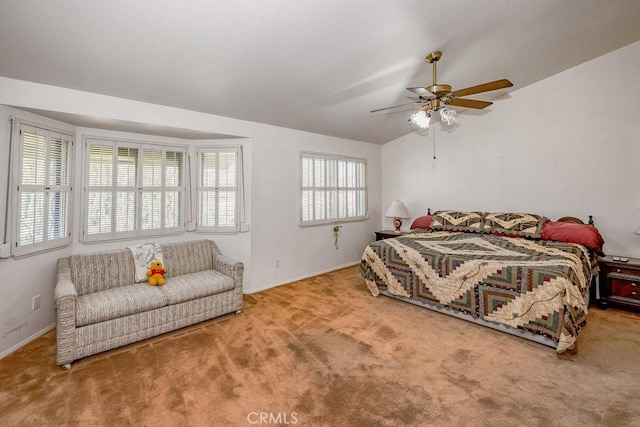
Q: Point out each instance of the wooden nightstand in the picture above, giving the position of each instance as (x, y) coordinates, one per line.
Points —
(387, 234)
(619, 282)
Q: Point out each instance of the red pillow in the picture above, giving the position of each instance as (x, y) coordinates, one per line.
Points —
(581, 234)
(422, 222)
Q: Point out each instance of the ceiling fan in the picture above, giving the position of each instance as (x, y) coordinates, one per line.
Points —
(437, 96)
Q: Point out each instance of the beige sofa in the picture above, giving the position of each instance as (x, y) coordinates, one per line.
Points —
(99, 306)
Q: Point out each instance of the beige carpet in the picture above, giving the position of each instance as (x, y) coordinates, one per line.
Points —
(323, 351)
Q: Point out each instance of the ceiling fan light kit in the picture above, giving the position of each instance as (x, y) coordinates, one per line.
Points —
(436, 97)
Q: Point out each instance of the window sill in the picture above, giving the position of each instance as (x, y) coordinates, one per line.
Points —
(308, 224)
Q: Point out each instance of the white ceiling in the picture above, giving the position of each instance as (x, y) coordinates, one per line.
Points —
(314, 65)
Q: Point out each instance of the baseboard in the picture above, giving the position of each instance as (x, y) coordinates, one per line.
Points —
(26, 341)
(264, 288)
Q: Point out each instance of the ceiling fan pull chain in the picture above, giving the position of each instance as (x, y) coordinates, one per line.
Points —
(434, 148)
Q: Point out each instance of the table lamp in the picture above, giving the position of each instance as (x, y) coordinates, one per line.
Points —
(397, 211)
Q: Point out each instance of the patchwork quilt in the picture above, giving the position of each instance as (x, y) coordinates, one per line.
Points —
(536, 285)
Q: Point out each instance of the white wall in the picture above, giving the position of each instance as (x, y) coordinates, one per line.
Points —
(302, 251)
(568, 145)
(271, 168)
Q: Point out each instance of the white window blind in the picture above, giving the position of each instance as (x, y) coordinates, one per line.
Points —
(126, 198)
(133, 189)
(174, 189)
(43, 193)
(217, 189)
(333, 188)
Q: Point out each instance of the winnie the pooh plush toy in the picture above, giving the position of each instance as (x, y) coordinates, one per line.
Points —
(156, 273)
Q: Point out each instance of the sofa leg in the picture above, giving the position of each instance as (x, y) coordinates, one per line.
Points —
(66, 366)
(239, 311)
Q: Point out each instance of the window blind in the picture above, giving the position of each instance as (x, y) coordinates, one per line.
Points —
(43, 193)
(134, 189)
(174, 189)
(333, 188)
(217, 189)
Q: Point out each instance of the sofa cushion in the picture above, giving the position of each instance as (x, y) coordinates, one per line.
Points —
(192, 286)
(117, 302)
(94, 272)
(187, 257)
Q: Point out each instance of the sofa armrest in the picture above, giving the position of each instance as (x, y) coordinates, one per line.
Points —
(65, 299)
(230, 267)
(65, 289)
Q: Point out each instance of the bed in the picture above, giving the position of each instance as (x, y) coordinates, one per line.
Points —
(518, 273)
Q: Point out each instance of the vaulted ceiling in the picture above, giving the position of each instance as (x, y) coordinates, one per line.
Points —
(313, 65)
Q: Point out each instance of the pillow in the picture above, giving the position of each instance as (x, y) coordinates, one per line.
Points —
(522, 224)
(422, 222)
(582, 234)
(458, 221)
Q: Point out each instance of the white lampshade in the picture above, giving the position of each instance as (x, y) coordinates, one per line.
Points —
(397, 210)
(421, 119)
(448, 115)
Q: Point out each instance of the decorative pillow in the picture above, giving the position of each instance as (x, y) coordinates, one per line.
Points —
(522, 224)
(458, 221)
(422, 222)
(581, 234)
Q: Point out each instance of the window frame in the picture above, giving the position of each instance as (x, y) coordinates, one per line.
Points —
(217, 189)
(47, 188)
(139, 189)
(327, 187)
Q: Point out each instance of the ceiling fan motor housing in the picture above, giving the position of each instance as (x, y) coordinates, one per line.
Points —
(442, 96)
(439, 89)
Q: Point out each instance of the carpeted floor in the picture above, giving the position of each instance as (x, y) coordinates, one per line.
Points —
(323, 351)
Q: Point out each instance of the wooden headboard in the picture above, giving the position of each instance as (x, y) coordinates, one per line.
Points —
(571, 219)
(574, 220)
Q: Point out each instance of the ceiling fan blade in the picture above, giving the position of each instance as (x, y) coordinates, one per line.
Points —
(469, 103)
(420, 91)
(486, 87)
(396, 106)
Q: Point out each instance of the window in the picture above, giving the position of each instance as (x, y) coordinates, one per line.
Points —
(333, 188)
(217, 189)
(133, 189)
(43, 194)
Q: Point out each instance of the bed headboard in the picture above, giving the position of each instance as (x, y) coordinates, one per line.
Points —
(574, 220)
(571, 219)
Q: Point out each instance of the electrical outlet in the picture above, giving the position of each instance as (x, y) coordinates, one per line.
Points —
(277, 263)
(35, 303)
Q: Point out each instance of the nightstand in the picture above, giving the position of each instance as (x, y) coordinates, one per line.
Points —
(619, 282)
(387, 234)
